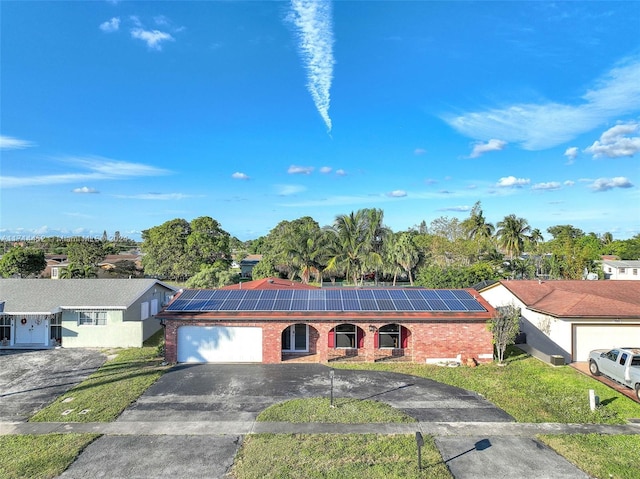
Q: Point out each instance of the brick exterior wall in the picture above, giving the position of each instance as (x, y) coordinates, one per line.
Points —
(426, 339)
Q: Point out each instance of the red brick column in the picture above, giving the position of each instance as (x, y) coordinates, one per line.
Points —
(171, 342)
(369, 350)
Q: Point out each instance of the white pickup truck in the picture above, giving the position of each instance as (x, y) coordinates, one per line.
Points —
(621, 364)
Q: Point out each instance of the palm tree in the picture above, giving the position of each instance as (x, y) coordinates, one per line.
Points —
(406, 254)
(512, 233)
(350, 248)
(303, 249)
(476, 226)
(376, 235)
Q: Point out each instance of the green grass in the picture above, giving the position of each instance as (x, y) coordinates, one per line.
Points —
(599, 455)
(526, 388)
(40, 456)
(107, 392)
(346, 411)
(353, 456)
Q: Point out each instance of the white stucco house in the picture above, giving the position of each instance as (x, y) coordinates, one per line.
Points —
(571, 318)
(621, 269)
(76, 313)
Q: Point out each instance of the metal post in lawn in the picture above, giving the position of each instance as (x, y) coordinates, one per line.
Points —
(420, 442)
(331, 374)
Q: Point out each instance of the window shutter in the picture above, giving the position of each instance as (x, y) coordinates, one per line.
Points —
(332, 339)
(375, 340)
(360, 336)
(404, 337)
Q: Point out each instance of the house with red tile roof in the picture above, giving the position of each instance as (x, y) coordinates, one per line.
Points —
(271, 321)
(571, 318)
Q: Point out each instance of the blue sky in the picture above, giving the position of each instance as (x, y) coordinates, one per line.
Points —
(123, 115)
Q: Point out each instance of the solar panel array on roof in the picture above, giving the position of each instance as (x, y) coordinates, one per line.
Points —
(326, 300)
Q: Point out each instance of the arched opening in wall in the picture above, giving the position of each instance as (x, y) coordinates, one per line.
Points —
(345, 340)
(391, 341)
(295, 338)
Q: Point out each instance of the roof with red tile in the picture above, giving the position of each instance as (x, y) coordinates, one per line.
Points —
(602, 299)
(270, 283)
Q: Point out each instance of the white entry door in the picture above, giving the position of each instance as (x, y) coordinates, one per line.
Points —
(219, 344)
(30, 331)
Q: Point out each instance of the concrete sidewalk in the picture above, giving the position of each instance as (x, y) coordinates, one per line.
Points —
(210, 428)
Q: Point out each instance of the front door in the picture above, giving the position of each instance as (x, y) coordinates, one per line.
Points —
(296, 338)
(31, 331)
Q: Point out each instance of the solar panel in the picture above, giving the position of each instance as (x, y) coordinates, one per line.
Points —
(326, 300)
(461, 294)
(268, 294)
(254, 294)
(444, 294)
(188, 294)
(397, 294)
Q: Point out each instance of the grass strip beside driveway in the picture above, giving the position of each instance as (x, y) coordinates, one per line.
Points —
(599, 455)
(345, 411)
(40, 456)
(353, 456)
(107, 392)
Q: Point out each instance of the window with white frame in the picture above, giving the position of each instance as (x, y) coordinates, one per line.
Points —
(635, 271)
(623, 271)
(54, 273)
(92, 318)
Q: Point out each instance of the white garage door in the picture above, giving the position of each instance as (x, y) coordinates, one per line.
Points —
(600, 336)
(219, 344)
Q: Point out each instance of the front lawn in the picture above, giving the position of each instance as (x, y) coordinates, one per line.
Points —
(40, 456)
(353, 456)
(526, 388)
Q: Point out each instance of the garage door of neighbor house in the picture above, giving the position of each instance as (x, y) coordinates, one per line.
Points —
(600, 336)
(219, 344)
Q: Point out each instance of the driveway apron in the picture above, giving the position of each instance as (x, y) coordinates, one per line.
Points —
(233, 392)
(29, 380)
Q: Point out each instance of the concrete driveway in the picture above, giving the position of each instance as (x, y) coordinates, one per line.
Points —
(29, 380)
(231, 392)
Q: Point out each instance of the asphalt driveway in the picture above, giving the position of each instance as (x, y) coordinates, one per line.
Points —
(29, 380)
(231, 392)
(234, 392)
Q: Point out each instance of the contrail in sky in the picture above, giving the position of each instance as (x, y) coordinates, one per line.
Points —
(314, 29)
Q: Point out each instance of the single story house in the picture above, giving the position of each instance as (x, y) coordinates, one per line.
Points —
(247, 263)
(76, 313)
(321, 324)
(571, 318)
(621, 269)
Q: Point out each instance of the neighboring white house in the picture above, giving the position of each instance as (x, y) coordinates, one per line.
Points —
(77, 313)
(617, 269)
(570, 318)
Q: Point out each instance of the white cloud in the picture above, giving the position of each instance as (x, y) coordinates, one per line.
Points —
(300, 170)
(569, 183)
(326, 170)
(491, 145)
(397, 194)
(512, 181)
(615, 142)
(161, 20)
(110, 26)
(239, 176)
(11, 143)
(313, 22)
(419, 151)
(456, 208)
(93, 169)
(156, 196)
(545, 125)
(288, 190)
(85, 190)
(605, 184)
(571, 154)
(341, 172)
(549, 186)
(153, 38)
